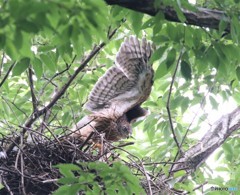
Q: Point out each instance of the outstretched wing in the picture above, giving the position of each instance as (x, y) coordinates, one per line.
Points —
(125, 85)
(133, 57)
(112, 84)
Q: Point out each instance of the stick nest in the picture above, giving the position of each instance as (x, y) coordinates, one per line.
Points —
(29, 167)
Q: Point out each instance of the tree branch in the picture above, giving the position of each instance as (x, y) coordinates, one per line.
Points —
(34, 99)
(212, 140)
(197, 155)
(168, 102)
(202, 17)
(6, 75)
(35, 115)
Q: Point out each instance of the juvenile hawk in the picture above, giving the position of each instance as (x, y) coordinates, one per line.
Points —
(117, 96)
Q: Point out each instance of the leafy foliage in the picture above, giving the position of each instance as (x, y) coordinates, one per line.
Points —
(52, 38)
(97, 178)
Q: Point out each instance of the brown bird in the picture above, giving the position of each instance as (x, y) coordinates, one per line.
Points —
(115, 101)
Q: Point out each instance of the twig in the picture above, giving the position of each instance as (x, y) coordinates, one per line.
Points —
(195, 115)
(56, 75)
(147, 178)
(34, 99)
(39, 133)
(1, 65)
(168, 100)
(159, 163)
(6, 100)
(34, 116)
(22, 171)
(50, 181)
(8, 72)
(16, 116)
(198, 187)
(17, 94)
(49, 130)
(126, 144)
(7, 187)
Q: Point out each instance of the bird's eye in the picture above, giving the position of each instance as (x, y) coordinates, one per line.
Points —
(125, 129)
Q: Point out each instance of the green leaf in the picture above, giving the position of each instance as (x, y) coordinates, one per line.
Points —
(214, 103)
(37, 66)
(63, 190)
(1, 186)
(222, 26)
(136, 18)
(171, 57)
(66, 119)
(180, 14)
(11, 50)
(48, 61)
(157, 55)
(27, 26)
(68, 180)
(21, 66)
(161, 71)
(66, 169)
(235, 32)
(186, 70)
(238, 72)
(179, 173)
(222, 169)
(228, 148)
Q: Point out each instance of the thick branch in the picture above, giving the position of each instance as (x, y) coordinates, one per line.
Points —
(212, 140)
(202, 17)
(197, 155)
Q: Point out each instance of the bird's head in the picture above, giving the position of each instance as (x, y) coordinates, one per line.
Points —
(123, 126)
(115, 128)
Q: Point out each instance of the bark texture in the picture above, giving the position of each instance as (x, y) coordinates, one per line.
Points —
(201, 17)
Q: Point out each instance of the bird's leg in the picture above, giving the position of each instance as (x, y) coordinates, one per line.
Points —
(100, 145)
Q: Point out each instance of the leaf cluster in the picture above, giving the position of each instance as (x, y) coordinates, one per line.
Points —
(97, 178)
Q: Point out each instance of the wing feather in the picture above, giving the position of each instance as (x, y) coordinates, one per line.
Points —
(110, 85)
(126, 84)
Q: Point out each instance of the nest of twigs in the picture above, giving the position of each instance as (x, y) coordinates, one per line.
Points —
(29, 167)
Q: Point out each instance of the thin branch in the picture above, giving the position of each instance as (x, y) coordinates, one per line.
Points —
(50, 181)
(195, 115)
(164, 163)
(34, 99)
(168, 100)
(148, 179)
(22, 171)
(6, 75)
(7, 187)
(12, 110)
(34, 116)
(58, 74)
(6, 100)
(1, 65)
(198, 187)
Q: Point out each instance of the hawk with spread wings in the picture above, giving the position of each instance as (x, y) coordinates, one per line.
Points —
(115, 101)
